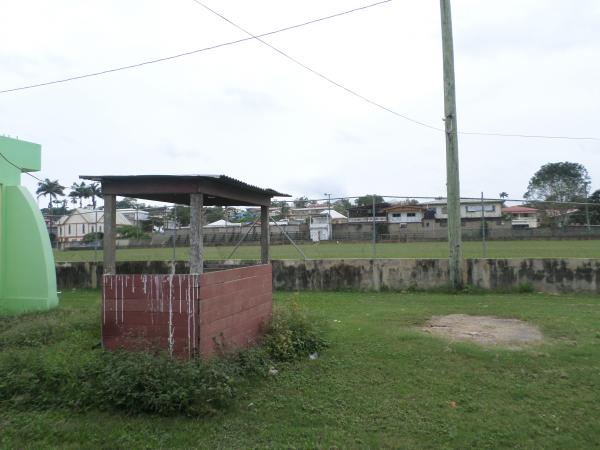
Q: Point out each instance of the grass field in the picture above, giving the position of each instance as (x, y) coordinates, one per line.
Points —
(382, 383)
(495, 249)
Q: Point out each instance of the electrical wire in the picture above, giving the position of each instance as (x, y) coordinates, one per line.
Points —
(372, 102)
(315, 72)
(19, 168)
(192, 52)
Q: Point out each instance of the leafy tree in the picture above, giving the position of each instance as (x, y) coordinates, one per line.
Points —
(181, 214)
(79, 191)
(92, 237)
(558, 182)
(127, 203)
(94, 191)
(131, 232)
(594, 210)
(214, 213)
(301, 202)
(367, 200)
(50, 188)
(342, 206)
(283, 209)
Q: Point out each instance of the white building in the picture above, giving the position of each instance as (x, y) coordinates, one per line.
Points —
(404, 214)
(320, 226)
(81, 221)
(301, 214)
(222, 223)
(469, 208)
(522, 216)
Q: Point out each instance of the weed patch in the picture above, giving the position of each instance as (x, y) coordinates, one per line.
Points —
(138, 382)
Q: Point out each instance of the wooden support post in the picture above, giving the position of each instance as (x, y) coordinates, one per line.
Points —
(110, 225)
(452, 176)
(196, 238)
(264, 234)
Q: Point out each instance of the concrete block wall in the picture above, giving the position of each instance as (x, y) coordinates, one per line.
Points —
(184, 315)
(151, 312)
(544, 275)
(235, 305)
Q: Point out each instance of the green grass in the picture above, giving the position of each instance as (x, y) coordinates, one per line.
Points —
(381, 383)
(495, 249)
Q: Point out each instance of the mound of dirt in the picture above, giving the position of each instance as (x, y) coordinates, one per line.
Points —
(511, 333)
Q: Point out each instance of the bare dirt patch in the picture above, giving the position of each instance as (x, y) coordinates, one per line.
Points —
(510, 333)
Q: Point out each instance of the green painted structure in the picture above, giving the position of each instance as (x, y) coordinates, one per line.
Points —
(27, 276)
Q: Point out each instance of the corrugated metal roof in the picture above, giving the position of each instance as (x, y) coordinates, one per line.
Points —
(224, 179)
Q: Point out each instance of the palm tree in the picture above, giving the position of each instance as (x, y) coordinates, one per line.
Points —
(79, 192)
(503, 194)
(94, 191)
(50, 188)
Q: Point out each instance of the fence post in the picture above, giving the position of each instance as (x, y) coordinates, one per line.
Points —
(374, 230)
(483, 243)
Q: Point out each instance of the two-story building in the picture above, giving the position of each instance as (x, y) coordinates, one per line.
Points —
(522, 216)
(357, 214)
(81, 221)
(405, 214)
(304, 214)
(471, 212)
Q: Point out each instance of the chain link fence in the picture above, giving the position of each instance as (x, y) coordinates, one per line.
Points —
(368, 226)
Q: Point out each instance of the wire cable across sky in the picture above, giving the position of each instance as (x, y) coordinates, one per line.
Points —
(372, 102)
(192, 52)
(259, 37)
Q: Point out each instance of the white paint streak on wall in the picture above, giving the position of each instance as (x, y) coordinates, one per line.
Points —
(104, 299)
(171, 329)
(123, 279)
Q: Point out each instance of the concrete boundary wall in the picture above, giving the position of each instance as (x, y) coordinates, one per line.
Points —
(544, 275)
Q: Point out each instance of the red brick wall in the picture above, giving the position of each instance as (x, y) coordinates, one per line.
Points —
(184, 314)
(147, 312)
(234, 305)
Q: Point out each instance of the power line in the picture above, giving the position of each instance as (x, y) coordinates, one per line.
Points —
(530, 136)
(19, 168)
(372, 102)
(313, 71)
(192, 52)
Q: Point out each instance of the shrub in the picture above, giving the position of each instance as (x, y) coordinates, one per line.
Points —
(131, 232)
(93, 237)
(138, 382)
(291, 334)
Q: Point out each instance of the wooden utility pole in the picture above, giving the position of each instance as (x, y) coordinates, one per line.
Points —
(452, 177)
(196, 237)
(110, 225)
(264, 234)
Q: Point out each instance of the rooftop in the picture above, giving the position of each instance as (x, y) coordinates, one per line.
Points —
(218, 190)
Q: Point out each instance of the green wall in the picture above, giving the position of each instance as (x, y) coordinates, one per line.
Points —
(27, 277)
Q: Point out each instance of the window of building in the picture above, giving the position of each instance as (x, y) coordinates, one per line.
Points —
(411, 214)
(396, 215)
(69, 229)
(445, 210)
(477, 208)
(83, 228)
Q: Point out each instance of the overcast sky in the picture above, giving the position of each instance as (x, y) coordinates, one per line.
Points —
(522, 66)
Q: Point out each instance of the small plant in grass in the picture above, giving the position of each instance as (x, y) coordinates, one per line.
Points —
(292, 334)
(525, 288)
